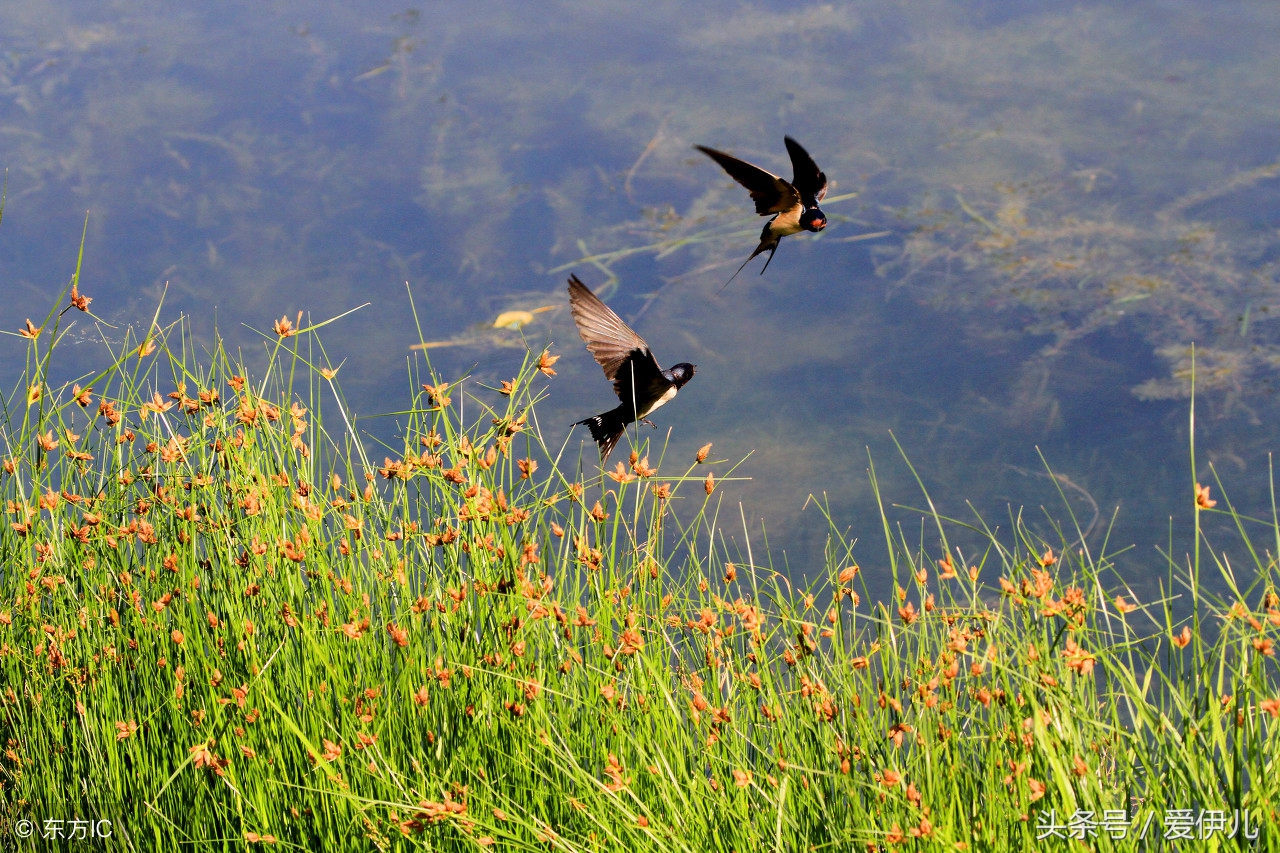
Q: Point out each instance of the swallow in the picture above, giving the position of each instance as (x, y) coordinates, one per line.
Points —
(794, 205)
(638, 380)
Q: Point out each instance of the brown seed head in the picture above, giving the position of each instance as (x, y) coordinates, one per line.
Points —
(620, 474)
(436, 393)
(81, 302)
(545, 361)
(1124, 606)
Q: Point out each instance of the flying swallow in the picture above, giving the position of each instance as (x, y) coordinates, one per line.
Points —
(640, 383)
(794, 205)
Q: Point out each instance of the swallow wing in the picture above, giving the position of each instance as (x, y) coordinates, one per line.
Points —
(611, 342)
(640, 381)
(809, 180)
(770, 193)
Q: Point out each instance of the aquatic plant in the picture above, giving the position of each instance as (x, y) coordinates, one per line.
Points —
(226, 620)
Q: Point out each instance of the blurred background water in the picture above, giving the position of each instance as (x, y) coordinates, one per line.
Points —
(1055, 201)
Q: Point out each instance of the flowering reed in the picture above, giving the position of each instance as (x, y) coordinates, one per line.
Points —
(223, 621)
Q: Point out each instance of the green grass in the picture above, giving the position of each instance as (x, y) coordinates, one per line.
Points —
(224, 622)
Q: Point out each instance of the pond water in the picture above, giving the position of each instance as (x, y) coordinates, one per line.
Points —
(1054, 203)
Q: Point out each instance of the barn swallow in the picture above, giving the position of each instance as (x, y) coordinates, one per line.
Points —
(640, 383)
(794, 205)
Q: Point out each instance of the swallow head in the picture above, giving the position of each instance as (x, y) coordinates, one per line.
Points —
(681, 373)
(813, 220)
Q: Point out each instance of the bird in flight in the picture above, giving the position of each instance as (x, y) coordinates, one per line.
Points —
(794, 205)
(640, 383)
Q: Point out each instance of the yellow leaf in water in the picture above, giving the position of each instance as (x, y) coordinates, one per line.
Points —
(512, 319)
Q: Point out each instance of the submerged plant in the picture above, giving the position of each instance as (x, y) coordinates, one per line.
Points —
(1057, 267)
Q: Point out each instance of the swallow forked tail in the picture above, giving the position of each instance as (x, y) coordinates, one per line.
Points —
(772, 249)
(606, 430)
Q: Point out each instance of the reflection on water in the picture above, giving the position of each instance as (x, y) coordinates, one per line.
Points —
(1059, 204)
